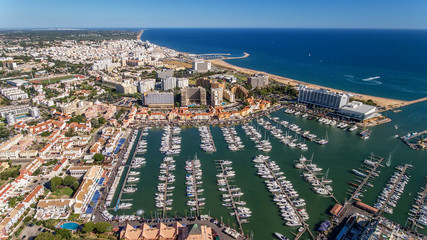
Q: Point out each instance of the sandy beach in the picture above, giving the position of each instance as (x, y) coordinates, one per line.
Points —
(380, 101)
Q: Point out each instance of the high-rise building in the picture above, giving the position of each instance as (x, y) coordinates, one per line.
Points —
(193, 95)
(322, 97)
(146, 85)
(228, 95)
(168, 83)
(216, 96)
(182, 82)
(10, 119)
(156, 99)
(35, 112)
(201, 66)
(164, 73)
(258, 81)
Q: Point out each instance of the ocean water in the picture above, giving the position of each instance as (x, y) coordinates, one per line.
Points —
(386, 63)
(392, 64)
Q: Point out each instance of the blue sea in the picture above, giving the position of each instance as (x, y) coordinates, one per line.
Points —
(386, 63)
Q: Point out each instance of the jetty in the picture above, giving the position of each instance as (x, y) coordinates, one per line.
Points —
(223, 171)
(377, 160)
(416, 146)
(393, 189)
(283, 192)
(417, 209)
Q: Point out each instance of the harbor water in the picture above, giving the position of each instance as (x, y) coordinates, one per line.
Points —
(345, 151)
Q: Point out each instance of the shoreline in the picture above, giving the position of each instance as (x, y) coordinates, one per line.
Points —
(387, 103)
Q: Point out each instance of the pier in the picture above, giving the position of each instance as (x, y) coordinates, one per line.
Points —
(229, 191)
(418, 208)
(283, 193)
(193, 173)
(320, 182)
(416, 146)
(378, 161)
(165, 193)
(302, 133)
(390, 194)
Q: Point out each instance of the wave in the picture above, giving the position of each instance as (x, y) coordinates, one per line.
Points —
(370, 78)
(364, 81)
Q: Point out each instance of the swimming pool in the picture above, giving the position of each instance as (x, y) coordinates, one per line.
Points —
(70, 226)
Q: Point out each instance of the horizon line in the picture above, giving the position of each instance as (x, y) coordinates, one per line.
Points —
(147, 28)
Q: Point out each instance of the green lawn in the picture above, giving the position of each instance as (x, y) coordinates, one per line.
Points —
(55, 80)
(65, 192)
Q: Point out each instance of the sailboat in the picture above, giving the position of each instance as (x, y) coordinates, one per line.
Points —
(388, 163)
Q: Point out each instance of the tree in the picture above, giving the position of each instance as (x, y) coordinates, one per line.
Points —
(98, 157)
(102, 227)
(54, 183)
(71, 182)
(88, 227)
(12, 202)
(48, 236)
(70, 133)
(4, 132)
(101, 120)
(64, 233)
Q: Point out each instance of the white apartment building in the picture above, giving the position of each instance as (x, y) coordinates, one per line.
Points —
(216, 96)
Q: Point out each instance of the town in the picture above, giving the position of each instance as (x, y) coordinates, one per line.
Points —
(70, 106)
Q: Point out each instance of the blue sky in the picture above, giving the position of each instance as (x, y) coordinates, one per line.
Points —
(402, 14)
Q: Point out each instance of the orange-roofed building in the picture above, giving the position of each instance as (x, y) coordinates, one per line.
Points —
(336, 209)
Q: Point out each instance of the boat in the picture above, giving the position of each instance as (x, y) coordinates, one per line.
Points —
(353, 128)
(280, 236)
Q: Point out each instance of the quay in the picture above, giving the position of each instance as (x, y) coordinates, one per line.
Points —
(233, 203)
(129, 160)
(378, 161)
(416, 146)
(283, 192)
(390, 194)
(159, 123)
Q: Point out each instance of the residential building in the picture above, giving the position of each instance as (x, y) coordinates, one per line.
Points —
(157, 99)
(258, 81)
(228, 95)
(240, 91)
(168, 83)
(216, 96)
(193, 95)
(165, 73)
(201, 66)
(126, 87)
(87, 189)
(322, 98)
(182, 82)
(14, 93)
(145, 232)
(146, 85)
(54, 208)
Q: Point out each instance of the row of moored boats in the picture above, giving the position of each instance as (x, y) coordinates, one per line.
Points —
(171, 141)
(391, 193)
(256, 137)
(286, 139)
(193, 180)
(233, 140)
(313, 174)
(207, 143)
(291, 207)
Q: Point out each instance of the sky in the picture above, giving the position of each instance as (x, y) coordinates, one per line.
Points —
(395, 14)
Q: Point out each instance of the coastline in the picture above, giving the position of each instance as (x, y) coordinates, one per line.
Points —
(387, 103)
